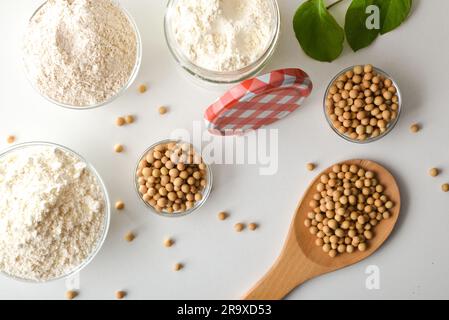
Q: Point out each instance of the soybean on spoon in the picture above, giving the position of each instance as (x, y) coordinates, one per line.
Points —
(301, 260)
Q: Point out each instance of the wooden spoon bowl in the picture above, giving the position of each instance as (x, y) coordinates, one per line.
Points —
(302, 260)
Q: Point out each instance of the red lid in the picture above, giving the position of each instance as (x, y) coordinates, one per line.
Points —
(258, 102)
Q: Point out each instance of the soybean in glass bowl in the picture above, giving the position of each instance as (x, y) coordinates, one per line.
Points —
(390, 125)
(216, 79)
(107, 209)
(126, 86)
(198, 204)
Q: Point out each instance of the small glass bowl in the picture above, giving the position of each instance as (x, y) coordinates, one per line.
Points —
(107, 209)
(128, 84)
(390, 126)
(206, 191)
(217, 78)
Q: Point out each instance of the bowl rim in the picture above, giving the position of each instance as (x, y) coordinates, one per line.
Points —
(222, 77)
(390, 127)
(128, 84)
(206, 193)
(107, 210)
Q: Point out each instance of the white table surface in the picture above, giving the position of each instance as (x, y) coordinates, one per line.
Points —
(221, 264)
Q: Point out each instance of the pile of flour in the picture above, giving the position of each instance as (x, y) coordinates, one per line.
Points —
(80, 52)
(52, 213)
(223, 35)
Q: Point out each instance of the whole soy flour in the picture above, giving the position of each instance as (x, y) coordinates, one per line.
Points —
(80, 53)
(52, 213)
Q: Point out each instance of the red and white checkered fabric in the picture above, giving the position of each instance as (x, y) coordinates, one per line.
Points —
(258, 102)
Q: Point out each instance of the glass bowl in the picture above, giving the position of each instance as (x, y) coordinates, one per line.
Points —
(107, 208)
(206, 192)
(390, 126)
(128, 84)
(217, 78)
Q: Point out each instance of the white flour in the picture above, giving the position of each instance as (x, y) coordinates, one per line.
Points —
(80, 52)
(52, 213)
(223, 35)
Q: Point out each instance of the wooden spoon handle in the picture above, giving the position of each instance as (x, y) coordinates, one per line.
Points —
(290, 270)
(275, 285)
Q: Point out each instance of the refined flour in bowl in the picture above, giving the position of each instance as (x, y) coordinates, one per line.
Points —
(54, 212)
(81, 53)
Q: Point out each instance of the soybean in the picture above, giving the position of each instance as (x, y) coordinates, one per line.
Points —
(348, 204)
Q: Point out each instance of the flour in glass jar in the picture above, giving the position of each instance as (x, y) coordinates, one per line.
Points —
(52, 213)
(223, 35)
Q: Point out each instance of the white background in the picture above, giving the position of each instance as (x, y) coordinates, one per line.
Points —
(221, 264)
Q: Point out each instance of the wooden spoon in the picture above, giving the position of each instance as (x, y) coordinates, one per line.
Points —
(302, 260)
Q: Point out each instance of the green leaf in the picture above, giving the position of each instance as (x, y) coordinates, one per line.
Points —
(318, 33)
(357, 33)
(393, 13)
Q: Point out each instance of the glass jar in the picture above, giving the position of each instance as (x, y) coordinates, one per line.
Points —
(391, 124)
(206, 191)
(107, 208)
(128, 84)
(216, 78)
